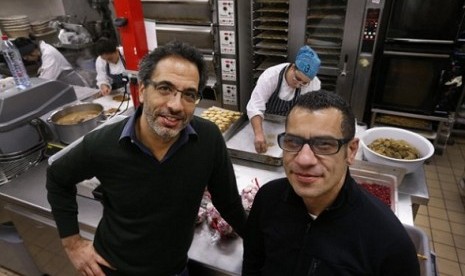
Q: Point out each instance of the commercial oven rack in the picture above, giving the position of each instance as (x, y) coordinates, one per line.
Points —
(270, 34)
(439, 134)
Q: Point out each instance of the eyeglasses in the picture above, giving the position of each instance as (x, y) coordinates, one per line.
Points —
(320, 146)
(299, 80)
(166, 89)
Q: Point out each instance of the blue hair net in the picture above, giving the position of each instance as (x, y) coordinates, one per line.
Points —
(307, 61)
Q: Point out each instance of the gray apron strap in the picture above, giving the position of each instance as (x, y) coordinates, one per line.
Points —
(117, 79)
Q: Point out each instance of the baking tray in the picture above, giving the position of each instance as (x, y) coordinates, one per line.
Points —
(228, 133)
(241, 144)
(413, 123)
(391, 177)
(114, 104)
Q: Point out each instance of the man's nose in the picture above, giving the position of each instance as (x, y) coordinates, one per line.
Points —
(306, 155)
(175, 101)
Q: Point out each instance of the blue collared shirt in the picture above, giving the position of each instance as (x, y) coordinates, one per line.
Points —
(129, 132)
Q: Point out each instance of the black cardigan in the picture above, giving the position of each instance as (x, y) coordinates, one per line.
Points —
(149, 207)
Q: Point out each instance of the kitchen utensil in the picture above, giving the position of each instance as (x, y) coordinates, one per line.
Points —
(71, 131)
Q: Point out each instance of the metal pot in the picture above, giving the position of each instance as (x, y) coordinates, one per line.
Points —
(71, 131)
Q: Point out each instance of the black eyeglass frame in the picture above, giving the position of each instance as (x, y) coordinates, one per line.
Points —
(311, 143)
(173, 88)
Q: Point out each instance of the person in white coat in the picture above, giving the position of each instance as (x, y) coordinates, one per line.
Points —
(278, 88)
(110, 66)
(52, 62)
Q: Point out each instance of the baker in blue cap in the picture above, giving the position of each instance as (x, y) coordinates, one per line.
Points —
(278, 88)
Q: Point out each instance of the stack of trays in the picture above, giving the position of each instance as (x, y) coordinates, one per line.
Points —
(16, 26)
(241, 143)
(41, 27)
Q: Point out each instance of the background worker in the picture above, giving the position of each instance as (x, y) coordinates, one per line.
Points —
(318, 220)
(110, 66)
(52, 64)
(277, 89)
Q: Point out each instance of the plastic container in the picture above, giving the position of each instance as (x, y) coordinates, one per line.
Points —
(386, 180)
(15, 63)
(426, 258)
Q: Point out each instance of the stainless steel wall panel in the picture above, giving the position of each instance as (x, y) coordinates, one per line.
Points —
(179, 12)
(198, 36)
(212, 26)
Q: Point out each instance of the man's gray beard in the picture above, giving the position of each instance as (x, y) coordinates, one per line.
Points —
(165, 133)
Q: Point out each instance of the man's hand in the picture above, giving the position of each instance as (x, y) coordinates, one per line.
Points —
(260, 143)
(105, 89)
(82, 254)
(259, 140)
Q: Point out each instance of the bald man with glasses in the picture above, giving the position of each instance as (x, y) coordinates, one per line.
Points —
(318, 220)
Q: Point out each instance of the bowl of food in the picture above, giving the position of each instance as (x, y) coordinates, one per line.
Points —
(395, 147)
(74, 121)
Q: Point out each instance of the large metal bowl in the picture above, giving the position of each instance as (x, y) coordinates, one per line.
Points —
(71, 131)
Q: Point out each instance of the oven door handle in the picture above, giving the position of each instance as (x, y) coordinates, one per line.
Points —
(184, 28)
(441, 78)
(410, 40)
(411, 54)
(178, 1)
(343, 72)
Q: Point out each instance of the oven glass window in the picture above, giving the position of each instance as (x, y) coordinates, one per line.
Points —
(408, 83)
(434, 20)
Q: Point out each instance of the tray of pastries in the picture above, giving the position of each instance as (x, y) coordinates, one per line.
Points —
(226, 120)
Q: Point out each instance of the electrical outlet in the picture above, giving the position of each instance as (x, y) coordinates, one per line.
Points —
(229, 94)
(228, 69)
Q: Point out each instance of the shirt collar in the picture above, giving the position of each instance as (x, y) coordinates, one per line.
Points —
(129, 133)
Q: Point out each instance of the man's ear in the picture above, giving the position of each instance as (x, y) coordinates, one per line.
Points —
(142, 89)
(352, 148)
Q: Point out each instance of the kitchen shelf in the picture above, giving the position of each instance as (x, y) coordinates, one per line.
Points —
(270, 33)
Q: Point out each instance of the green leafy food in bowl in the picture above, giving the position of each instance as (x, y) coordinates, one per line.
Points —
(394, 148)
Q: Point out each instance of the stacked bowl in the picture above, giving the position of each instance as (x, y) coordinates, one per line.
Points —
(16, 26)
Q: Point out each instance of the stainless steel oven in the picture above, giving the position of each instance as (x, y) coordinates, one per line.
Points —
(416, 59)
(342, 32)
(214, 27)
(412, 81)
(434, 21)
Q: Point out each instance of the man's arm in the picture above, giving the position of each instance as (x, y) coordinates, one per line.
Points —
(62, 176)
(223, 188)
(102, 79)
(83, 256)
(260, 139)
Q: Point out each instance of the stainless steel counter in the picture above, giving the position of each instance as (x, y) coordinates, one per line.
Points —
(27, 192)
